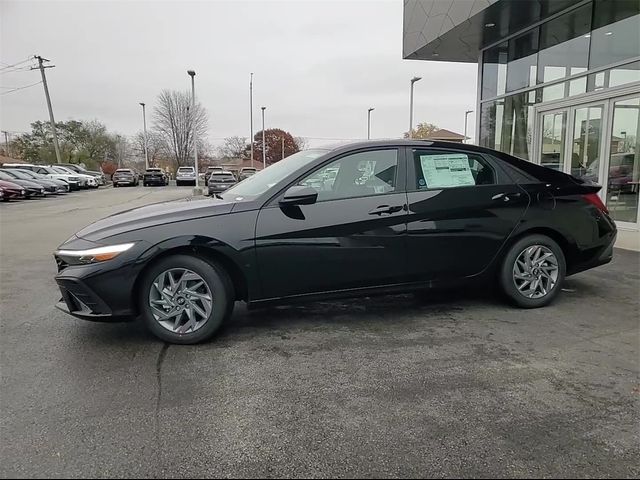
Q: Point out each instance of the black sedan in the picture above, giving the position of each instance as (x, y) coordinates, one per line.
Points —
(373, 217)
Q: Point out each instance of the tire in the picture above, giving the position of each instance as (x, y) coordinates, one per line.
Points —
(547, 276)
(216, 284)
(144, 184)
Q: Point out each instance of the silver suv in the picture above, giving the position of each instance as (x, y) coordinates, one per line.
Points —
(186, 176)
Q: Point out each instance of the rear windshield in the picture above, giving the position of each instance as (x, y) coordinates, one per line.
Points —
(122, 170)
(185, 169)
(154, 170)
(222, 176)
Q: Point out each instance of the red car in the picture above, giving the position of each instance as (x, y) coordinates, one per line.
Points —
(11, 190)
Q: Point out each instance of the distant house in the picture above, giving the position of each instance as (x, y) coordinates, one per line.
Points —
(445, 135)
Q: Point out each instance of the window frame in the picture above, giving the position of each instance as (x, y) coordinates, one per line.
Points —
(401, 175)
(501, 178)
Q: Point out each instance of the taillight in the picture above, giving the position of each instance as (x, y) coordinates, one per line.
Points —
(595, 200)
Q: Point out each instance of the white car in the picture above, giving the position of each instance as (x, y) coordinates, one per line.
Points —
(186, 175)
(86, 181)
(72, 180)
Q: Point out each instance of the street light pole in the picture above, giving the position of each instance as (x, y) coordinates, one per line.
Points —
(369, 123)
(144, 123)
(264, 151)
(466, 114)
(251, 114)
(413, 80)
(192, 74)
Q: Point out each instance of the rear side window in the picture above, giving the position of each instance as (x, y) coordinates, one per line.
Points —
(437, 169)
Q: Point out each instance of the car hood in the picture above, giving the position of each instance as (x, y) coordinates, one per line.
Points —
(10, 185)
(26, 183)
(154, 214)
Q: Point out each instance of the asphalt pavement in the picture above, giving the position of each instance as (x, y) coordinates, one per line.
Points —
(457, 384)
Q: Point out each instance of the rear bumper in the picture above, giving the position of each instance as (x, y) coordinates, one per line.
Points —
(596, 256)
(154, 181)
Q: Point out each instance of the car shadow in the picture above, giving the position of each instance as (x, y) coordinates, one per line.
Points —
(352, 312)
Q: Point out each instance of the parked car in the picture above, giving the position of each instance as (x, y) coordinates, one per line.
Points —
(50, 188)
(155, 176)
(31, 188)
(72, 180)
(427, 214)
(125, 176)
(11, 190)
(61, 186)
(246, 172)
(99, 176)
(186, 175)
(220, 181)
(86, 181)
(209, 171)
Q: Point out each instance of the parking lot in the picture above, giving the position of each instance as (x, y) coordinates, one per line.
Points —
(457, 384)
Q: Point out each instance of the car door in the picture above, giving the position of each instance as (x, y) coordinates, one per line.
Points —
(353, 236)
(462, 208)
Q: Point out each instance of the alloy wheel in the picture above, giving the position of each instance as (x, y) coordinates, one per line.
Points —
(535, 271)
(180, 300)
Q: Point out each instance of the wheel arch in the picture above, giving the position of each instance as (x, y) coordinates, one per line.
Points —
(207, 253)
(568, 247)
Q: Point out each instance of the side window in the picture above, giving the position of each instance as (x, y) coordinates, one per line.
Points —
(442, 169)
(358, 175)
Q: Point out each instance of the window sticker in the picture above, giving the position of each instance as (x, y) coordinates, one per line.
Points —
(442, 171)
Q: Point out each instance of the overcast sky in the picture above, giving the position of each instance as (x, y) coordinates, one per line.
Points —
(318, 65)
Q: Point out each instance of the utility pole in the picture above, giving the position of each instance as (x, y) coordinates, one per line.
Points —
(371, 109)
(6, 143)
(413, 80)
(192, 74)
(264, 151)
(251, 114)
(144, 123)
(46, 94)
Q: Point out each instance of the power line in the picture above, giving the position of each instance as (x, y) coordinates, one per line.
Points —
(21, 88)
(28, 59)
(18, 69)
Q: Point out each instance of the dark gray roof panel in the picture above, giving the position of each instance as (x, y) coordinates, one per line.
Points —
(456, 30)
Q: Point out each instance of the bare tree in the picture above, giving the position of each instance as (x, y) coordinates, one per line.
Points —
(173, 120)
(233, 147)
(156, 147)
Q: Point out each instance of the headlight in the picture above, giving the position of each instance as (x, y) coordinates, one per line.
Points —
(93, 255)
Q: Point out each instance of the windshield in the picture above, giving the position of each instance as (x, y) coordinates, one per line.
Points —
(263, 180)
(154, 170)
(63, 170)
(17, 174)
(185, 169)
(122, 171)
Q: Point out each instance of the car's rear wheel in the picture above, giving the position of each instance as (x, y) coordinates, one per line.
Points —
(533, 271)
(184, 299)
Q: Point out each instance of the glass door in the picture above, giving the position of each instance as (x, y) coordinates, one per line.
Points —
(571, 140)
(623, 172)
(587, 142)
(552, 145)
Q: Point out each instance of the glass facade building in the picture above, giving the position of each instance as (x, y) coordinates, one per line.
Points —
(559, 84)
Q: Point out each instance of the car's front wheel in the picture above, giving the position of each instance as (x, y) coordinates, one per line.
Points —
(533, 271)
(184, 299)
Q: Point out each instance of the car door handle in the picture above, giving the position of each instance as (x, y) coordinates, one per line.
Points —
(386, 209)
(505, 197)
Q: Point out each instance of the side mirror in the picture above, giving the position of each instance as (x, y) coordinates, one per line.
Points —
(299, 195)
